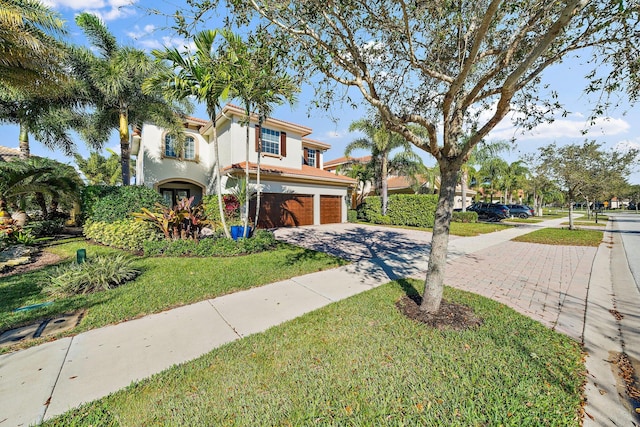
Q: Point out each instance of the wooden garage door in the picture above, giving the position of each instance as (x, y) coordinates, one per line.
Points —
(330, 209)
(284, 210)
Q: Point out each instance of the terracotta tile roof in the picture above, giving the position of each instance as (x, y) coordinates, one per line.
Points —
(398, 182)
(345, 160)
(197, 120)
(306, 172)
(7, 153)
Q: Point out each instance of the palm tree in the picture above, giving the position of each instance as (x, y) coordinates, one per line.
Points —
(380, 142)
(260, 82)
(30, 48)
(201, 76)
(98, 169)
(492, 171)
(480, 154)
(114, 79)
(513, 178)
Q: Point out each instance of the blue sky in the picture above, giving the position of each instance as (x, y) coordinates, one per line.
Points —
(131, 23)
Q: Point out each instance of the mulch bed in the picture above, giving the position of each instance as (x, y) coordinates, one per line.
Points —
(39, 260)
(451, 316)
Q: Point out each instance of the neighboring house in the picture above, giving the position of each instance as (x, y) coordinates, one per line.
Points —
(296, 189)
(7, 154)
(395, 184)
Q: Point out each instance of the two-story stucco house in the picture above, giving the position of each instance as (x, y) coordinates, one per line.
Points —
(296, 188)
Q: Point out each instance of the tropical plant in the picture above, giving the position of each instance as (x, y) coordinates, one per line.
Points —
(200, 75)
(98, 169)
(480, 154)
(380, 142)
(100, 273)
(258, 79)
(113, 79)
(182, 221)
(31, 49)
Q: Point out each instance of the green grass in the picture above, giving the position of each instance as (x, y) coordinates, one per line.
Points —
(469, 229)
(163, 284)
(563, 236)
(359, 362)
(532, 220)
(464, 229)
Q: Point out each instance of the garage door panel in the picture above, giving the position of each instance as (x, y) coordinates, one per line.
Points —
(330, 209)
(284, 210)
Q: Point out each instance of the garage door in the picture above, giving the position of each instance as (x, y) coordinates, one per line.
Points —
(330, 209)
(284, 210)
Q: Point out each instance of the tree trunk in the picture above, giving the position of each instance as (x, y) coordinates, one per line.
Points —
(216, 172)
(23, 139)
(258, 189)
(570, 210)
(434, 282)
(42, 203)
(125, 149)
(463, 189)
(384, 184)
(245, 231)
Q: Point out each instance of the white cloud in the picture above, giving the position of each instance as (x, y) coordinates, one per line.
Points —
(626, 145)
(138, 32)
(178, 42)
(107, 10)
(335, 134)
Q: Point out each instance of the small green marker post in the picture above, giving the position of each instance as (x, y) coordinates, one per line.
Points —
(81, 256)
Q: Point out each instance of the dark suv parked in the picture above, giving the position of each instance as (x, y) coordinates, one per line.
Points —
(490, 211)
(521, 211)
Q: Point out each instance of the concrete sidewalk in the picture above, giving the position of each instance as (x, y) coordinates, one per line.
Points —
(47, 380)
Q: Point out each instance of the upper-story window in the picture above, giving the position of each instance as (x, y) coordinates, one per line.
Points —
(189, 151)
(189, 148)
(270, 141)
(311, 157)
(170, 146)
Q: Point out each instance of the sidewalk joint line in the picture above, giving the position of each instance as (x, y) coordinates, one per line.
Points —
(235, 331)
(53, 389)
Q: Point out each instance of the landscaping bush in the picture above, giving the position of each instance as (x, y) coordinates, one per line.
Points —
(127, 234)
(97, 274)
(111, 203)
(213, 246)
(467, 217)
(415, 210)
(352, 215)
(230, 205)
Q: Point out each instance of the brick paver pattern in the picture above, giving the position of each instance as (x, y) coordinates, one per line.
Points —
(545, 282)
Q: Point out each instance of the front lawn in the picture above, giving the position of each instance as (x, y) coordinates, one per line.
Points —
(463, 229)
(562, 236)
(360, 362)
(165, 282)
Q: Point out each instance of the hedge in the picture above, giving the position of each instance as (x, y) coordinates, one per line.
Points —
(415, 210)
(105, 203)
(127, 234)
(468, 216)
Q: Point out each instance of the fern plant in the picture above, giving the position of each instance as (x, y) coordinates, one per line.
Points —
(97, 274)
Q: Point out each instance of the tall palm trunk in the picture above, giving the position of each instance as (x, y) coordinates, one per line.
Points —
(23, 139)
(245, 231)
(216, 172)
(384, 184)
(125, 149)
(258, 190)
(433, 286)
(463, 189)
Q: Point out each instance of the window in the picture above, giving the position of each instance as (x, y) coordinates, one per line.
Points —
(270, 141)
(172, 196)
(189, 149)
(169, 146)
(189, 152)
(311, 157)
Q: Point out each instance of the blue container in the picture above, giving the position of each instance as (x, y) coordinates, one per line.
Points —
(237, 232)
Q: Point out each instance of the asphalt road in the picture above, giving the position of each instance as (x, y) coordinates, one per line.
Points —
(628, 225)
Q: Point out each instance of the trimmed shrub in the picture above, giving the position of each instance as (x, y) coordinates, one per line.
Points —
(113, 203)
(467, 216)
(352, 215)
(370, 209)
(415, 210)
(127, 234)
(96, 274)
(215, 246)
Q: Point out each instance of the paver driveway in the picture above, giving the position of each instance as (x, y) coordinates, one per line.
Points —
(545, 282)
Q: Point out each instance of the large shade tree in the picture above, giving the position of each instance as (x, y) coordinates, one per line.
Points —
(458, 66)
(113, 77)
